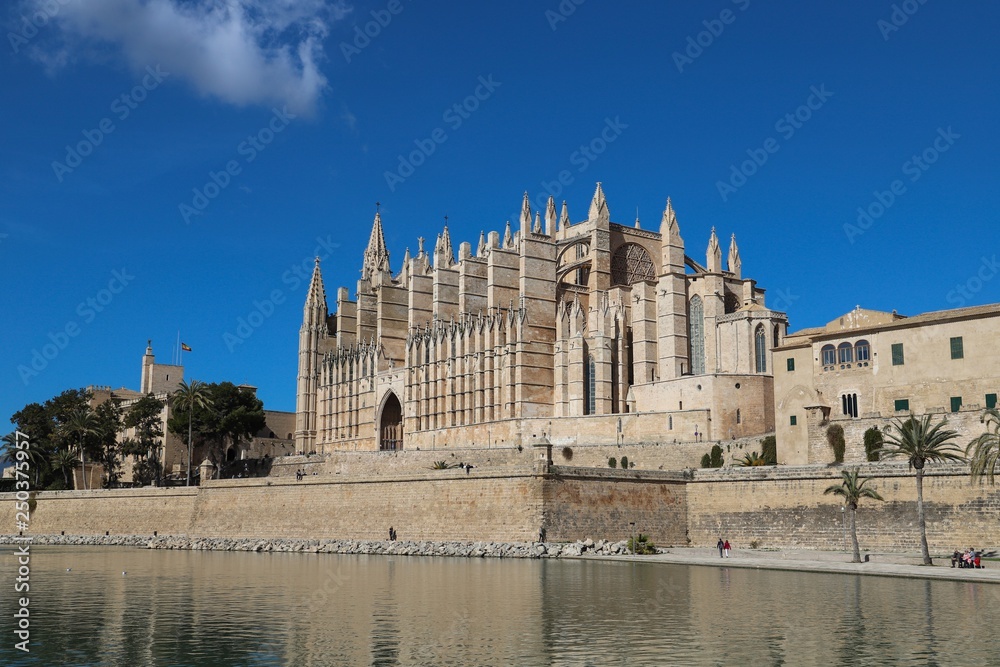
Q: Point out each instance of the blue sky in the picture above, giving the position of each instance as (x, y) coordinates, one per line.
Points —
(174, 166)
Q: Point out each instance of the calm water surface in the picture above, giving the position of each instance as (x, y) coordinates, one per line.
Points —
(204, 608)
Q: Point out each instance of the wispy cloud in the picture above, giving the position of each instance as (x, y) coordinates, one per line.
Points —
(243, 52)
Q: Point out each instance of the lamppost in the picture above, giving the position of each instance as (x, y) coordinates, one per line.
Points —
(843, 523)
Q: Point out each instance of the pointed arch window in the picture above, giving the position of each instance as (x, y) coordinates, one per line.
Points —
(589, 386)
(696, 333)
(760, 349)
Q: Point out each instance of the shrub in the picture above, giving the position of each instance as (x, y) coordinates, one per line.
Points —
(716, 456)
(567, 453)
(769, 450)
(835, 436)
(612, 462)
(752, 459)
(873, 443)
(706, 461)
(640, 545)
(624, 463)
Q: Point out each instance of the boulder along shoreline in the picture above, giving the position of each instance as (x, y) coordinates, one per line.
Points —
(457, 549)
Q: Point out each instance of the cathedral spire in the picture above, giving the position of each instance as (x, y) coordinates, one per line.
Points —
(550, 216)
(525, 214)
(508, 240)
(444, 255)
(735, 264)
(637, 225)
(564, 222)
(599, 206)
(714, 254)
(315, 306)
(669, 229)
(375, 267)
(537, 229)
(481, 250)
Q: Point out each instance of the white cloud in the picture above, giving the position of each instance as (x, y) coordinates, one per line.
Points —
(240, 51)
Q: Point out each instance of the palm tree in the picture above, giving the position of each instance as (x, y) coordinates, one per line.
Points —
(81, 423)
(852, 490)
(36, 457)
(65, 461)
(188, 397)
(985, 448)
(920, 442)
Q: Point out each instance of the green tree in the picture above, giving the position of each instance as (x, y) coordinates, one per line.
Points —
(612, 462)
(919, 442)
(43, 425)
(229, 416)
(852, 489)
(835, 436)
(769, 450)
(716, 456)
(873, 443)
(706, 461)
(81, 425)
(65, 461)
(186, 400)
(145, 416)
(984, 449)
(108, 416)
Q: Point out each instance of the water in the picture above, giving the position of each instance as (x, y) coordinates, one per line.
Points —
(181, 608)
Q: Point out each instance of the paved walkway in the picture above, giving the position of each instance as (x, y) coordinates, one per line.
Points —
(881, 564)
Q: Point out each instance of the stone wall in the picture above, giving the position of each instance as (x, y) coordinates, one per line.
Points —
(583, 502)
(965, 422)
(774, 506)
(785, 507)
(118, 511)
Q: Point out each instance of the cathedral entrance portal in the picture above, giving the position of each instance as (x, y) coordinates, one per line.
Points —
(390, 427)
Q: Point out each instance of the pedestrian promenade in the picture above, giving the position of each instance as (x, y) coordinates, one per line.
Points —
(880, 564)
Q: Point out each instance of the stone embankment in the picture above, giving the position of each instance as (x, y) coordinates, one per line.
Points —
(361, 547)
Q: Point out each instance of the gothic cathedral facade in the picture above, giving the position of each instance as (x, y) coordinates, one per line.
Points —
(576, 332)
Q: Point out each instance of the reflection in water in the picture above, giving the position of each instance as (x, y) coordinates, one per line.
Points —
(207, 609)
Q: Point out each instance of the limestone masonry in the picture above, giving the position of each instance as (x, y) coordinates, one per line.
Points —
(575, 322)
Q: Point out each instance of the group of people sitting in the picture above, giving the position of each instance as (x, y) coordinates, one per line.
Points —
(969, 558)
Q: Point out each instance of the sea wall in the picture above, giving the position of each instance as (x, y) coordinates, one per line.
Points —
(774, 507)
(614, 504)
(785, 507)
(137, 511)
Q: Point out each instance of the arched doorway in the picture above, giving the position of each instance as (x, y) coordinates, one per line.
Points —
(390, 425)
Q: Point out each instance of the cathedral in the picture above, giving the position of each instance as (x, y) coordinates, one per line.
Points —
(590, 331)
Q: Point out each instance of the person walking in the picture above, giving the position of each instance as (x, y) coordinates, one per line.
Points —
(725, 548)
(720, 546)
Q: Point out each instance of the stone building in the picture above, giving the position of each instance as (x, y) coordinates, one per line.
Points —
(591, 331)
(867, 367)
(161, 380)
